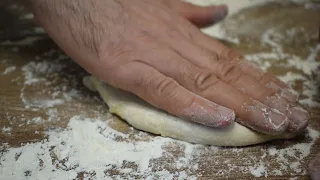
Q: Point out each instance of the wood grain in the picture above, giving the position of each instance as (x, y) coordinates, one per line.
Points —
(250, 25)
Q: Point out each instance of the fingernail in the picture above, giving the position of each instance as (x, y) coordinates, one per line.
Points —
(278, 102)
(264, 119)
(299, 119)
(278, 121)
(226, 115)
(220, 12)
(209, 114)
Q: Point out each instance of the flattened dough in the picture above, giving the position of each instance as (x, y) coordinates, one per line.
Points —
(144, 116)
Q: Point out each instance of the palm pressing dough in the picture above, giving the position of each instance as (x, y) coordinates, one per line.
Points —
(144, 116)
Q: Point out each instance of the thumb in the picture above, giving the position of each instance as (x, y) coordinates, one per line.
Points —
(199, 16)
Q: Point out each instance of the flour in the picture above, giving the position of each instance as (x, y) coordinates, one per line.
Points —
(6, 130)
(36, 71)
(234, 6)
(259, 171)
(287, 159)
(91, 146)
(270, 38)
(294, 178)
(44, 72)
(35, 120)
(297, 152)
(27, 16)
(26, 41)
(9, 70)
(309, 88)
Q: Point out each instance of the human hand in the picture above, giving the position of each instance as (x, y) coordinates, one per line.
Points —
(153, 49)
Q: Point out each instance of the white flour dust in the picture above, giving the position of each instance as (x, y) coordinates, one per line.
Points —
(6, 130)
(26, 41)
(92, 149)
(289, 159)
(46, 72)
(9, 70)
(234, 6)
(88, 146)
(259, 171)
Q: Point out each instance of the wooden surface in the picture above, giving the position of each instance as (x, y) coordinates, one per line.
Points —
(18, 101)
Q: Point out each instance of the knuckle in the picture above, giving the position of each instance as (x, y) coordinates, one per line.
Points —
(204, 81)
(229, 73)
(178, 33)
(239, 60)
(212, 56)
(189, 35)
(144, 36)
(229, 54)
(265, 78)
(165, 87)
(117, 54)
(189, 32)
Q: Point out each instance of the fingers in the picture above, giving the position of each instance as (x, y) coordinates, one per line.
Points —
(199, 16)
(203, 82)
(299, 119)
(267, 79)
(267, 89)
(165, 93)
(238, 85)
(224, 52)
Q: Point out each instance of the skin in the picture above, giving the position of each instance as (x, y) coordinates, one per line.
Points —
(154, 49)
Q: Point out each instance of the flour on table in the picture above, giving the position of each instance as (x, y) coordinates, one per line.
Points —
(26, 41)
(45, 71)
(234, 6)
(287, 159)
(92, 147)
(259, 171)
(35, 120)
(89, 146)
(27, 16)
(9, 70)
(6, 130)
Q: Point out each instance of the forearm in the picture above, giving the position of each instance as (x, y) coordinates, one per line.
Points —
(77, 26)
(65, 17)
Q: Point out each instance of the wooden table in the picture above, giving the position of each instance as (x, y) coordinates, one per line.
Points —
(20, 102)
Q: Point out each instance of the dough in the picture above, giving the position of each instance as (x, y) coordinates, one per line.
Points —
(144, 116)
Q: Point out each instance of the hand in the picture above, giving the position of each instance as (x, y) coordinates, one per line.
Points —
(153, 49)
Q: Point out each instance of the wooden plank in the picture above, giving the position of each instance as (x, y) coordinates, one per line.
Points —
(63, 82)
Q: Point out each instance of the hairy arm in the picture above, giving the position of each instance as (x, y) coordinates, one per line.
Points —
(80, 28)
